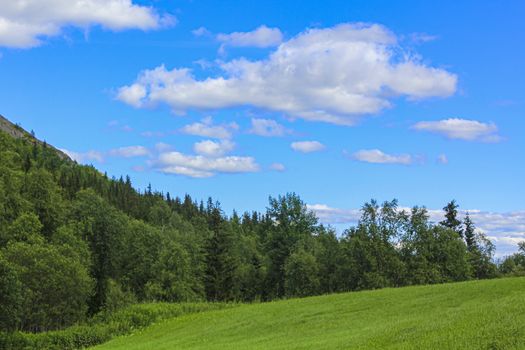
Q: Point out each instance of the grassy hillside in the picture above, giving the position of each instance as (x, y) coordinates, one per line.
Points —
(468, 315)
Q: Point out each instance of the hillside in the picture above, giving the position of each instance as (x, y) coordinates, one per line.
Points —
(77, 247)
(466, 315)
(18, 132)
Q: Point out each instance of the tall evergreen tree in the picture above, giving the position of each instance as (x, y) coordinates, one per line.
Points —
(469, 232)
(221, 262)
(451, 217)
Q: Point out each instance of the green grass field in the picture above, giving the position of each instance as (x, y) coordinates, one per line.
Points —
(471, 315)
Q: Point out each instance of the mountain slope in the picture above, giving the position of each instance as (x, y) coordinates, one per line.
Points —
(18, 132)
(468, 315)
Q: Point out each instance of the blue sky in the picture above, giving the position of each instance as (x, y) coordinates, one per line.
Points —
(339, 101)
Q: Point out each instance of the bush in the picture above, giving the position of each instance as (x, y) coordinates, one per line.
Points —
(103, 326)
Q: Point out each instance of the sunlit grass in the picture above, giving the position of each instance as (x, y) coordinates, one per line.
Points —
(470, 315)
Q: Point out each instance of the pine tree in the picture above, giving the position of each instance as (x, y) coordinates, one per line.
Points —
(451, 221)
(470, 236)
(221, 263)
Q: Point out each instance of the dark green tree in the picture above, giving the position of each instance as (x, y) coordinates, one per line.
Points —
(469, 233)
(289, 222)
(301, 274)
(10, 296)
(221, 262)
(55, 287)
(451, 218)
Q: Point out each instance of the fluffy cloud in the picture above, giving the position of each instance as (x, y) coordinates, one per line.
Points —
(332, 75)
(200, 166)
(213, 149)
(206, 128)
(506, 230)
(463, 129)
(379, 157)
(84, 157)
(129, 152)
(267, 127)
(307, 146)
(23, 24)
(260, 37)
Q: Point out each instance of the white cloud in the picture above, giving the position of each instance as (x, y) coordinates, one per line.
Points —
(463, 129)
(277, 167)
(333, 75)
(307, 146)
(84, 157)
(201, 166)
(26, 23)
(130, 151)
(133, 94)
(206, 128)
(379, 157)
(201, 31)
(442, 159)
(505, 229)
(267, 127)
(261, 37)
(213, 149)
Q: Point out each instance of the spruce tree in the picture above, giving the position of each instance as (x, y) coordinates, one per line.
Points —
(451, 221)
(470, 236)
(221, 263)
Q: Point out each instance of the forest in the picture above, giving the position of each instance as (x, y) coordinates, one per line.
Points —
(74, 243)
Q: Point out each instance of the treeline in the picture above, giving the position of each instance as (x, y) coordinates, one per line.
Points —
(74, 242)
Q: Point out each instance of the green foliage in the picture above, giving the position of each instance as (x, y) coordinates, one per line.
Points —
(514, 265)
(55, 287)
(117, 298)
(301, 274)
(40, 189)
(103, 228)
(451, 221)
(103, 327)
(173, 280)
(10, 296)
(221, 262)
(26, 228)
(290, 222)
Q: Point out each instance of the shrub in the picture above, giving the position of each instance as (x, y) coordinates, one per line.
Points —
(103, 326)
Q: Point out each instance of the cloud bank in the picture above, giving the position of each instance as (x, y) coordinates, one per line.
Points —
(200, 166)
(332, 75)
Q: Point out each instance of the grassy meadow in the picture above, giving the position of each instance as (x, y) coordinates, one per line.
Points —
(486, 314)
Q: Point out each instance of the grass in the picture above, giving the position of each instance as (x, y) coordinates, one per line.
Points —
(469, 315)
